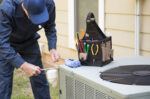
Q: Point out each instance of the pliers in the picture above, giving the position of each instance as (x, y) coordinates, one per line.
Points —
(97, 49)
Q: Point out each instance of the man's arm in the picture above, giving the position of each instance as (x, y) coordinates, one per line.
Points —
(6, 51)
(50, 31)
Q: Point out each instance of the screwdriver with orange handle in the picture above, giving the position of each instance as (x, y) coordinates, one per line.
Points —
(82, 34)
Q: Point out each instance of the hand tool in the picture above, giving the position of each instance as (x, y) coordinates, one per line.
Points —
(46, 69)
(77, 34)
(80, 43)
(77, 41)
(86, 47)
(92, 50)
(83, 49)
(82, 33)
(97, 49)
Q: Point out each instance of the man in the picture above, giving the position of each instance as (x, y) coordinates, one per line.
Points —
(19, 22)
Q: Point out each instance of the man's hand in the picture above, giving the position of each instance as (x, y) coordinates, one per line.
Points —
(30, 70)
(54, 55)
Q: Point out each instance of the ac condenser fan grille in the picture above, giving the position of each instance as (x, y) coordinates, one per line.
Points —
(130, 74)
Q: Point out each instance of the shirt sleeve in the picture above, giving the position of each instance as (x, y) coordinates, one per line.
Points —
(50, 29)
(6, 51)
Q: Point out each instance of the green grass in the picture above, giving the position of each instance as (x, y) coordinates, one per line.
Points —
(22, 88)
(54, 92)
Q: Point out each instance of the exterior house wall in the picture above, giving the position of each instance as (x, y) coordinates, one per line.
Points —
(119, 23)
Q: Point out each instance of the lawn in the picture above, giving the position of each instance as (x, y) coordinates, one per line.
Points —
(22, 88)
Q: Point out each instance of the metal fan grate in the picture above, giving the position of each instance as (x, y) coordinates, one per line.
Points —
(69, 88)
(110, 97)
(100, 95)
(79, 90)
(89, 92)
(130, 74)
(76, 89)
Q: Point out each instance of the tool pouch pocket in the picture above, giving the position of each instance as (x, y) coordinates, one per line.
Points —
(99, 53)
(97, 47)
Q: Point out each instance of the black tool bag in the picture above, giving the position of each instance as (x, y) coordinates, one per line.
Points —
(97, 49)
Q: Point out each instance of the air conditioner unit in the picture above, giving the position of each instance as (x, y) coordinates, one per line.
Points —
(85, 82)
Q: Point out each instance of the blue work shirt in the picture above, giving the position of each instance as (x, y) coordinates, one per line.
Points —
(18, 32)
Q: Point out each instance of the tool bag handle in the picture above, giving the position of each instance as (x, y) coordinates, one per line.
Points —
(90, 17)
(93, 32)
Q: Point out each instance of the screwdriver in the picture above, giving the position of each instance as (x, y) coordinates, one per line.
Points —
(86, 47)
(82, 33)
(46, 69)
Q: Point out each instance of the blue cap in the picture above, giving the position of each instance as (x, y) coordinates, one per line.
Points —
(37, 10)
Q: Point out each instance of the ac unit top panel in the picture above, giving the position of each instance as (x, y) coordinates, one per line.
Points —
(92, 73)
